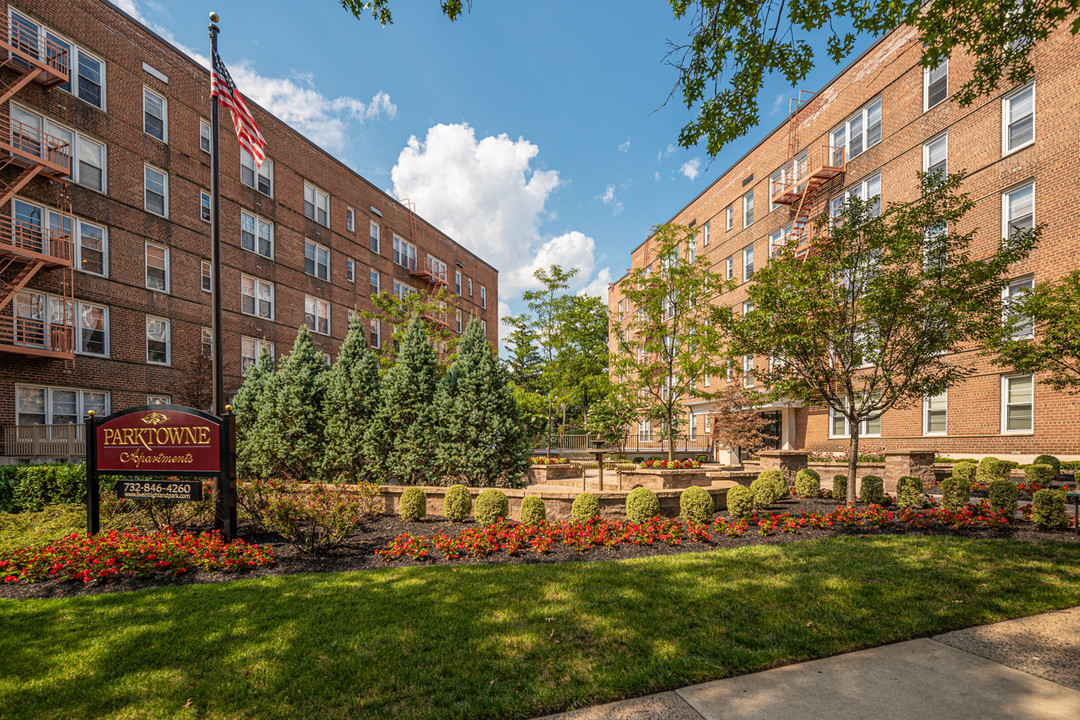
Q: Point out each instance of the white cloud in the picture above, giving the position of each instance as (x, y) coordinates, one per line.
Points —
(625, 147)
(504, 328)
(656, 175)
(608, 198)
(569, 250)
(691, 168)
(778, 104)
(599, 285)
(665, 153)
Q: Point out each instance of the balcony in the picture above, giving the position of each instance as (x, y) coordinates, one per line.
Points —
(438, 318)
(35, 149)
(44, 441)
(807, 173)
(45, 60)
(34, 337)
(31, 242)
(432, 271)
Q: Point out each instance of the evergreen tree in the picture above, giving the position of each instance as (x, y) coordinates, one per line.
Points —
(352, 397)
(482, 439)
(400, 441)
(246, 405)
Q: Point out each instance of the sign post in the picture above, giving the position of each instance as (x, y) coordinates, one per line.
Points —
(173, 442)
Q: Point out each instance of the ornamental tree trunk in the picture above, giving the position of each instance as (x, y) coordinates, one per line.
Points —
(853, 461)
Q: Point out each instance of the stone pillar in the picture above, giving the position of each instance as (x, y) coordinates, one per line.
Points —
(789, 462)
(917, 463)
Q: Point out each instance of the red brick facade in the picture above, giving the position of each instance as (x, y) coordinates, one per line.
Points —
(976, 142)
(134, 58)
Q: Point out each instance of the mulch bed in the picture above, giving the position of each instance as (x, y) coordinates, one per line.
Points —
(359, 552)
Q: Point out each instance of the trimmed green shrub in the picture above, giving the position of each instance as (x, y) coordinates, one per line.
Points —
(532, 510)
(696, 505)
(990, 469)
(873, 490)
(1003, 494)
(966, 471)
(585, 507)
(639, 460)
(642, 504)
(1049, 509)
(839, 487)
(1041, 475)
(413, 504)
(807, 483)
(740, 501)
(29, 488)
(776, 479)
(1049, 460)
(909, 492)
(955, 493)
(490, 506)
(457, 504)
(701, 458)
(765, 491)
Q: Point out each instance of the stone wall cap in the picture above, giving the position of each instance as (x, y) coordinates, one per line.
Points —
(910, 452)
(783, 453)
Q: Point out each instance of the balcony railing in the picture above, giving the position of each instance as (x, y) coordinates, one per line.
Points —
(30, 146)
(819, 165)
(26, 239)
(45, 441)
(28, 336)
(431, 271)
(36, 50)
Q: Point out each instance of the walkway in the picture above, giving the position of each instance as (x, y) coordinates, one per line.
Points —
(1024, 669)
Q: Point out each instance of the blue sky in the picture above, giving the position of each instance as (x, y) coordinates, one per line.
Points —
(532, 133)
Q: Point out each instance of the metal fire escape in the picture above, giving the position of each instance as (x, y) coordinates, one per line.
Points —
(803, 175)
(431, 270)
(39, 241)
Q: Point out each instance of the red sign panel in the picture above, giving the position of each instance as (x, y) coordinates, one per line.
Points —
(162, 440)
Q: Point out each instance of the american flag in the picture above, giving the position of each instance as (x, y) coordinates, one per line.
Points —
(223, 87)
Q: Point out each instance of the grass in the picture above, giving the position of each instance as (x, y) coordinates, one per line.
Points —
(39, 528)
(505, 641)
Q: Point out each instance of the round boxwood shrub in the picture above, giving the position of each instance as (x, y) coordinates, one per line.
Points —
(740, 501)
(765, 492)
(990, 469)
(490, 506)
(909, 492)
(807, 483)
(1049, 509)
(1041, 475)
(457, 504)
(873, 490)
(532, 510)
(585, 507)
(696, 505)
(1051, 461)
(642, 504)
(776, 479)
(965, 470)
(839, 487)
(413, 504)
(1003, 494)
(955, 493)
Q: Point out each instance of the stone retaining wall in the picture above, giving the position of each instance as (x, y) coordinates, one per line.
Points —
(545, 474)
(659, 479)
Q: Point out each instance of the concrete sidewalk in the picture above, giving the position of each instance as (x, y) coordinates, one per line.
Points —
(1025, 669)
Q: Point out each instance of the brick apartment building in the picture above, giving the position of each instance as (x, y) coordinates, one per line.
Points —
(1021, 150)
(105, 233)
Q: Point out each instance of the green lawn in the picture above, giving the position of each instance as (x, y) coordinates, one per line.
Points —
(504, 641)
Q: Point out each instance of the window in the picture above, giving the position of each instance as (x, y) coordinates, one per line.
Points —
(778, 239)
(57, 406)
(256, 234)
(483, 328)
(748, 209)
(204, 135)
(936, 414)
(644, 430)
(373, 234)
(87, 78)
(93, 338)
(838, 425)
(250, 351)
(470, 286)
(1022, 325)
(483, 297)
(691, 249)
(748, 371)
(316, 260)
(401, 290)
(159, 399)
(89, 163)
(204, 205)
(89, 81)
(375, 334)
(705, 235)
(859, 133)
(729, 271)
(691, 424)
(1018, 208)
(730, 214)
(935, 84)
(157, 341)
(157, 267)
(374, 282)
(868, 189)
(404, 253)
(36, 312)
(747, 307)
(776, 181)
(91, 248)
(256, 297)
(350, 219)
(350, 270)
(207, 342)
(204, 271)
(155, 115)
(1018, 119)
(316, 204)
(748, 262)
(936, 155)
(457, 282)
(1017, 403)
(317, 315)
(262, 177)
(459, 322)
(87, 156)
(156, 184)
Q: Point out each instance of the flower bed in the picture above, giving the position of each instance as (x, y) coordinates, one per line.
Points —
(549, 461)
(671, 464)
(130, 553)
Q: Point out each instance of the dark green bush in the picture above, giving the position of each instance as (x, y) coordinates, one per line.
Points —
(839, 487)
(639, 460)
(642, 504)
(701, 458)
(766, 488)
(696, 505)
(1049, 460)
(1041, 475)
(29, 488)
(585, 507)
(807, 483)
(413, 504)
(965, 471)
(490, 506)
(1003, 494)
(532, 510)
(740, 501)
(909, 492)
(955, 493)
(457, 504)
(990, 469)
(776, 479)
(1049, 509)
(873, 490)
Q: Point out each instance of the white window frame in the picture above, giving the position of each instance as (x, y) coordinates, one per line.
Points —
(1007, 206)
(861, 190)
(705, 234)
(159, 399)
(259, 223)
(748, 209)
(1006, 108)
(469, 279)
(78, 142)
(927, 410)
(206, 276)
(778, 238)
(350, 270)
(78, 246)
(75, 53)
(80, 401)
(262, 172)
(483, 298)
(927, 72)
(929, 148)
(374, 232)
(457, 282)
(404, 250)
(748, 262)
(1009, 294)
(748, 371)
(350, 219)
(730, 269)
(320, 200)
(730, 219)
(148, 95)
(863, 116)
(257, 285)
(148, 168)
(314, 306)
(864, 431)
(205, 134)
(146, 266)
(1005, 405)
(78, 329)
(374, 281)
(168, 340)
(206, 203)
(316, 247)
(256, 345)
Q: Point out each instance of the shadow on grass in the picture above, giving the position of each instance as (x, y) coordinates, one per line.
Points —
(505, 641)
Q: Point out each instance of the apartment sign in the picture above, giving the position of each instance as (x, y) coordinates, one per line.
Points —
(159, 439)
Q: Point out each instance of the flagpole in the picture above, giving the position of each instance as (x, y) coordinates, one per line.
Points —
(215, 236)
